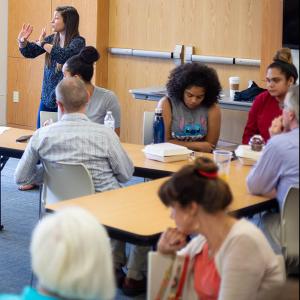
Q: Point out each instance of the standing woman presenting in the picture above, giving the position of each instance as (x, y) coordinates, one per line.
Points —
(59, 46)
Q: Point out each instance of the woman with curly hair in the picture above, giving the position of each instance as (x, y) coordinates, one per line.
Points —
(192, 116)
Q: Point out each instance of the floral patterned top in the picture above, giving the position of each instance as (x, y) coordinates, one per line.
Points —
(58, 55)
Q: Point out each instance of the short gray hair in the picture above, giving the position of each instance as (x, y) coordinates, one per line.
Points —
(72, 93)
(292, 101)
(71, 256)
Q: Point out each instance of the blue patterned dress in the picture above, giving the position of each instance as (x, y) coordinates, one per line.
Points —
(52, 76)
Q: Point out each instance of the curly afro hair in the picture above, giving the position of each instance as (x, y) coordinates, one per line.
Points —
(194, 74)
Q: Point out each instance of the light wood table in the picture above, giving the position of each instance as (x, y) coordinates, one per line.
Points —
(135, 213)
(150, 168)
(244, 203)
(143, 167)
(8, 145)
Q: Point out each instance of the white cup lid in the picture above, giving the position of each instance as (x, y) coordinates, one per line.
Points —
(234, 79)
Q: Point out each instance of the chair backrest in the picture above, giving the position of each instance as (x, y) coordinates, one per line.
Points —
(148, 127)
(64, 181)
(290, 224)
(47, 115)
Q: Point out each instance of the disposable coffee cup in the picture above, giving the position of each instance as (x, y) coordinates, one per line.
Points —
(234, 85)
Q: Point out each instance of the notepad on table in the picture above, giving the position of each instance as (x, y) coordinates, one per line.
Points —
(3, 129)
(167, 152)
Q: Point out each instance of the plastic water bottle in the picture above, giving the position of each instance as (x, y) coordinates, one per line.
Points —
(109, 120)
(158, 127)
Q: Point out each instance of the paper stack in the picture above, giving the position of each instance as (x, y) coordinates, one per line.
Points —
(246, 155)
(167, 152)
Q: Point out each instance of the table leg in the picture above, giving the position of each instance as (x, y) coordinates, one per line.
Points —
(3, 161)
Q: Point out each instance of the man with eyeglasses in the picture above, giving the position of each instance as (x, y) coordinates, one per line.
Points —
(278, 168)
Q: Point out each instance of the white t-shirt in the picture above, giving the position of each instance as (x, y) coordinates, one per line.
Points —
(103, 100)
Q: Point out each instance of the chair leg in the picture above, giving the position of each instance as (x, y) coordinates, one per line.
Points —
(42, 205)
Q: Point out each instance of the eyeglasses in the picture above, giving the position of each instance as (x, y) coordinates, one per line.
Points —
(282, 105)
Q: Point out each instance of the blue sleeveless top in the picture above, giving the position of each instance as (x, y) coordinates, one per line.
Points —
(187, 124)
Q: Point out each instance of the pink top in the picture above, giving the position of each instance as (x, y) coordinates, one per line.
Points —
(206, 277)
(264, 110)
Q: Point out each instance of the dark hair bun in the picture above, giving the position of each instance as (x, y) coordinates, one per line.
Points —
(89, 54)
(284, 55)
(206, 165)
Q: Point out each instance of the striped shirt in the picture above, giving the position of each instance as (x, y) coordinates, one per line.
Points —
(75, 139)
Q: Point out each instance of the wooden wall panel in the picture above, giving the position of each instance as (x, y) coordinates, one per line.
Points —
(125, 74)
(220, 28)
(25, 76)
(20, 12)
(101, 72)
(272, 20)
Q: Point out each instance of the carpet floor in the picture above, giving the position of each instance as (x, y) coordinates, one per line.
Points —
(20, 212)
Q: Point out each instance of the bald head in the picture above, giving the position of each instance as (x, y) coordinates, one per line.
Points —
(71, 93)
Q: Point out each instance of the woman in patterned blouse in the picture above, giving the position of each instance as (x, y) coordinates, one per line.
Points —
(59, 47)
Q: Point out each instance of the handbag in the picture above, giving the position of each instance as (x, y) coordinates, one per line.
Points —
(249, 94)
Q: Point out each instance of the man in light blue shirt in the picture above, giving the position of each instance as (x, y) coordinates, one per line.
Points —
(75, 139)
(278, 168)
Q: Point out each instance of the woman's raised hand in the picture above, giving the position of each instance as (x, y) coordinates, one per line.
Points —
(25, 33)
(42, 36)
(171, 241)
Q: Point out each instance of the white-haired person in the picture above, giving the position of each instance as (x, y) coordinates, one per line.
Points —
(71, 258)
(278, 168)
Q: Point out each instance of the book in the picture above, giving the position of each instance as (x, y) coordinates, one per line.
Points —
(166, 149)
(167, 159)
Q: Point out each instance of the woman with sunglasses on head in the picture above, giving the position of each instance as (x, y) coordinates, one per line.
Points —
(281, 74)
(191, 113)
(228, 258)
(58, 47)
